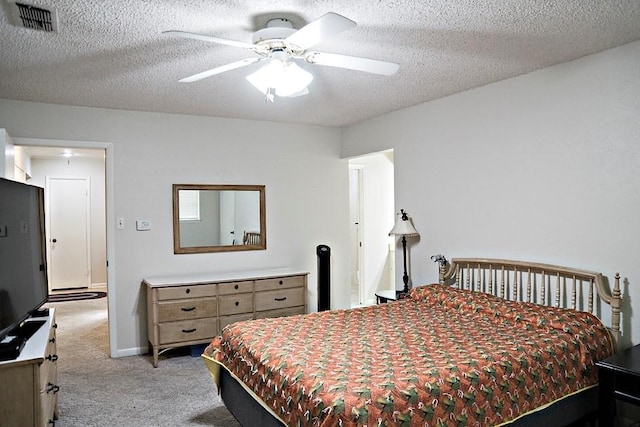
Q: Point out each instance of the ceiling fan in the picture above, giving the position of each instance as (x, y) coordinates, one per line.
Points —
(280, 45)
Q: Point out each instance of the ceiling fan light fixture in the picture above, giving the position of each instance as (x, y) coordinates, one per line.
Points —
(284, 77)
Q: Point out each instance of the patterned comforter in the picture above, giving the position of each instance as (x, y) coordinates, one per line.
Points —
(442, 356)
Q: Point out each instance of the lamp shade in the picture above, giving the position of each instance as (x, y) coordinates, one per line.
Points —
(285, 77)
(403, 227)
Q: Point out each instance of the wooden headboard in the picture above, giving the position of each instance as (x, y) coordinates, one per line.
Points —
(537, 283)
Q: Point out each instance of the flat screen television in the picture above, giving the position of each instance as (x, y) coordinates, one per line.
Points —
(23, 262)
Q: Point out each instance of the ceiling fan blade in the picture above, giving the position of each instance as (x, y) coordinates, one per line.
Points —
(221, 69)
(320, 29)
(352, 63)
(210, 39)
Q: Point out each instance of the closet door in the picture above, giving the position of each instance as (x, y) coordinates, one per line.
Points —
(68, 232)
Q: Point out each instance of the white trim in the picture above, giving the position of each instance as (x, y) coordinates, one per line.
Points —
(110, 219)
(133, 351)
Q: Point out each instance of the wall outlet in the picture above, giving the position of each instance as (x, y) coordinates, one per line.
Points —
(143, 225)
(120, 223)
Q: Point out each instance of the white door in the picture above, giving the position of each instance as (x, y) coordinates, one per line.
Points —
(228, 234)
(68, 232)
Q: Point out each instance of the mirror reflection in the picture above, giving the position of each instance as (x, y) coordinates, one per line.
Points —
(218, 218)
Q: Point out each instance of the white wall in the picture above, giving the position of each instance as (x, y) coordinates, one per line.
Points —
(542, 167)
(306, 193)
(93, 168)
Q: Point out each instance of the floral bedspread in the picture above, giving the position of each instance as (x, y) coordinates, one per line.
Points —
(442, 356)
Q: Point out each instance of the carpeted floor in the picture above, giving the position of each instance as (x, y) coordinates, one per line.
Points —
(96, 390)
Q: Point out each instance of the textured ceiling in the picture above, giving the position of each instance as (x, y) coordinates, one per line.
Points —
(111, 53)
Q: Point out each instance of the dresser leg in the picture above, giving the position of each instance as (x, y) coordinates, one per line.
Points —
(155, 357)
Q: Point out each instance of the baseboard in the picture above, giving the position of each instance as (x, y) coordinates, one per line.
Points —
(98, 285)
(134, 351)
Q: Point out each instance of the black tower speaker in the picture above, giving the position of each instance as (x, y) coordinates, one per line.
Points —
(324, 277)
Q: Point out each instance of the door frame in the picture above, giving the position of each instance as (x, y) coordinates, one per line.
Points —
(359, 243)
(377, 217)
(110, 219)
(47, 202)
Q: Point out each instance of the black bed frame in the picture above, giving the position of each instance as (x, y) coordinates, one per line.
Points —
(580, 409)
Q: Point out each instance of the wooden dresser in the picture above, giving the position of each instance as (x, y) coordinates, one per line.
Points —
(192, 309)
(29, 389)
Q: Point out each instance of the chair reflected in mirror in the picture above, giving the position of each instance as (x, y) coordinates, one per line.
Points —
(251, 238)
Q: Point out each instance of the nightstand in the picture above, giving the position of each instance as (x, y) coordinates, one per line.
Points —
(619, 377)
(386, 296)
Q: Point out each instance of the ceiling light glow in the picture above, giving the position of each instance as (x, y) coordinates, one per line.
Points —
(284, 77)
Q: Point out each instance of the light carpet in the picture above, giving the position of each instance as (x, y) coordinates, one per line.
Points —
(96, 390)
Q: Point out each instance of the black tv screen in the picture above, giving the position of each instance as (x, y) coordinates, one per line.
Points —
(23, 267)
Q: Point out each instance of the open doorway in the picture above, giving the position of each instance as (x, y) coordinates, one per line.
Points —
(371, 192)
(75, 209)
(75, 183)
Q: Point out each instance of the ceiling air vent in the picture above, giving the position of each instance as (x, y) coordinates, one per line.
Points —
(43, 18)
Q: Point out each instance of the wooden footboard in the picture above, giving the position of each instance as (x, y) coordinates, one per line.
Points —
(537, 283)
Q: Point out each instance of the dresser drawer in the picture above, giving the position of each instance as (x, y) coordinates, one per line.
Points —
(272, 300)
(188, 330)
(187, 309)
(48, 375)
(48, 368)
(279, 283)
(227, 320)
(235, 287)
(47, 404)
(193, 291)
(48, 385)
(236, 304)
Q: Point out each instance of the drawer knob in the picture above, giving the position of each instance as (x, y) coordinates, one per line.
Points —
(188, 291)
(236, 287)
(52, 388)
(281, 282)
(188, 331)
(52, 340)
(52, 357)
(188, 308)
(280, 299)
(237, 303)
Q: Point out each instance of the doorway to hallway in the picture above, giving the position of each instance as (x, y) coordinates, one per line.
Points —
(371, 213)
(76, 187)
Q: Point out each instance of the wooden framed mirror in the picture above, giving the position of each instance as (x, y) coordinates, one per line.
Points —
(218, 218)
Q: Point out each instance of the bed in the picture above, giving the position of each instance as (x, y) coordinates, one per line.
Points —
(495, 342)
